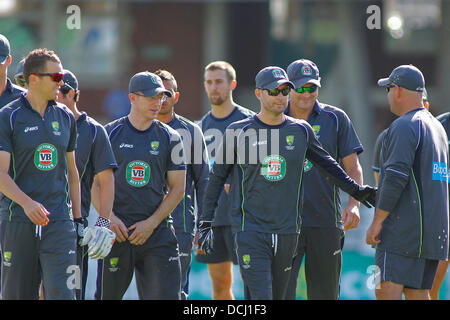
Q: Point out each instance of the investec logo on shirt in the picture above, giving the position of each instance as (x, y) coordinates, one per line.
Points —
(46, 157)
(440, 171)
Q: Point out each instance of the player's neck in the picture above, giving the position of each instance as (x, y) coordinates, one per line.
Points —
(223, 110)
(271, 119)
(3, 83)
(166, 118)
(299, 113)
(37, 102)
(138, 122)
(75, 110)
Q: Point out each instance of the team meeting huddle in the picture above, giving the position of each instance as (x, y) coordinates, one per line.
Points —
(258, 190)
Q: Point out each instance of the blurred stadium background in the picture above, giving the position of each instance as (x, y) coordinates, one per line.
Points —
(118, 38)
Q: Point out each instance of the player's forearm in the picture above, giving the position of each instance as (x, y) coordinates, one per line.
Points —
(355, 172)
(10, 189)
(169, 203)
(105, 196)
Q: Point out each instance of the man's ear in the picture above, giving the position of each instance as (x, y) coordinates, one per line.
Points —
(233, 84)
(258, 93)
(177, 96)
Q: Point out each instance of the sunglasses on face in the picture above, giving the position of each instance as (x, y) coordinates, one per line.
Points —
(275, 92)
(56, 77)
(310, 89)
(388, 87)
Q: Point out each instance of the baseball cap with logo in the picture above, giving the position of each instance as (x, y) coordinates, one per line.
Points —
(405, 76)
(148, 83)
(303, 71)
(271, 78)
(70, 81)
(19, 70)
(4, 48)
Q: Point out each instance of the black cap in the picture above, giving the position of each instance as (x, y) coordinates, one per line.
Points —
(148, 83)
(303, 71)
(405, 76)
(4, 48)
(70, 81)
(271, 78)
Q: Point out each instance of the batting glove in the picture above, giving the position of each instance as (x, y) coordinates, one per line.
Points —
(99, 239)
(80, 225)
(205, 236)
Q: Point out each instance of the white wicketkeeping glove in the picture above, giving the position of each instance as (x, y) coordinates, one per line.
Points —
(99, 241)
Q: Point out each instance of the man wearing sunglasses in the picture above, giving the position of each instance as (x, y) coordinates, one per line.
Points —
(149, 183)
(323, 222)
(95, 162)
(264, 156)
(410, 224)
(40, 184)
(8, 90)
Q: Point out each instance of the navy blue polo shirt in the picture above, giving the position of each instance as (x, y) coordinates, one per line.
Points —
(93, 155)
(213, 129)
(335, 132)
(38, 147)
(12, 92)
(143, 159)
(197, 172)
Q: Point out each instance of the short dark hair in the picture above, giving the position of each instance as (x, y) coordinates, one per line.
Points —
(36, 61)
(166, 75)
(222, 65)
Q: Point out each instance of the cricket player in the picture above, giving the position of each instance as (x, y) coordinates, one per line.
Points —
(18, 77)
(323, 222)
(265, 156)
(149, 183)
(443, 265)
(197, 170)
(410, 225)
(40, 185)
(8, 90)
(219, 83)
(94, 158)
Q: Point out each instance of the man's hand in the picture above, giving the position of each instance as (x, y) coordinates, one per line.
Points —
(119, 228)
(36, 212)
(350, 217)
(366, 195)
(99, 241)
(373, 233)
(205, 237)
(142, 231)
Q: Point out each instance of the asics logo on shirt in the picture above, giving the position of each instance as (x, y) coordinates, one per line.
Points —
(260, 143)
(125, 145)
(28, 129)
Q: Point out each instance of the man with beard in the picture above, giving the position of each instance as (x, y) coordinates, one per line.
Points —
(219, 82)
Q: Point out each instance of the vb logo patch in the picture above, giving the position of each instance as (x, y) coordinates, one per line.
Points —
(138, 173)
(273, 167)
(306, 71)
(307, 165)
(46, 157)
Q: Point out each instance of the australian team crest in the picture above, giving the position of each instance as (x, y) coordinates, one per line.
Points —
(290, 142)
(316, 129)
(55, 127)
(154, 147)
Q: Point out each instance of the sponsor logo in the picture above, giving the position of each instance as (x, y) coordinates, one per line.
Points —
(7, 258)
(306, 71)
(440, 171)
(28, 129)
(290, 142)
(138, 173)
(154, 145)
(273, 167)
(174, 258)
(259, 143)
(46, 157)
(307, 165)
(113, 262)
(277, 73)
(125, 145)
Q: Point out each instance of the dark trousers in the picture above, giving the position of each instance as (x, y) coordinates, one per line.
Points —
(322, 249)
(156, 265)
(265, 262)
